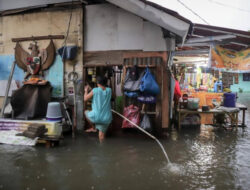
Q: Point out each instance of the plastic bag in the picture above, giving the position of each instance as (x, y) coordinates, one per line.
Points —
(130, 84)
(131, 94)
(133, 114)
(148, 84)
(68, 52)
(146, 124)
(133, 73)
(147, 99)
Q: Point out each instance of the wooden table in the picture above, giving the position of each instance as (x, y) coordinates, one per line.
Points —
(243, 108)
(183, 112)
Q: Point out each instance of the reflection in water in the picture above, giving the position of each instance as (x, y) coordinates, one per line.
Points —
(202, 159)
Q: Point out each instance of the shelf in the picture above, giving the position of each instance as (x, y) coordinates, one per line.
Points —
(149, 112)
(142, 66)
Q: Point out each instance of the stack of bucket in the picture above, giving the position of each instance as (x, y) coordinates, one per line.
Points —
(54, 112)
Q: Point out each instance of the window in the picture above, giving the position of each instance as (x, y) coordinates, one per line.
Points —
(246, 76)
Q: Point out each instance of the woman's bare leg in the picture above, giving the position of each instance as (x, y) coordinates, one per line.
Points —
(101, 136)
(92, 126)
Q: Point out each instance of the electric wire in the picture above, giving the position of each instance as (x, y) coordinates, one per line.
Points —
(64, 44)
(196, 14)
(68, 27)
(229, 6)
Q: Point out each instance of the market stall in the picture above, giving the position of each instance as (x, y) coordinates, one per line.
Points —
(207, 84)
(125, 77)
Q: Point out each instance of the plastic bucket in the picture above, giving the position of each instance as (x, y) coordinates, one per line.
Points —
(54, 112)
(193, 103)
(229, 99)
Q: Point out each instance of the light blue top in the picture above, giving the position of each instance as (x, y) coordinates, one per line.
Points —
(101, 106)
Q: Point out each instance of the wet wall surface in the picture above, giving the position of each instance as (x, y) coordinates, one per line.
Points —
(202, 159)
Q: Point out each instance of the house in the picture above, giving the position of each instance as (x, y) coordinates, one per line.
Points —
(108, 34)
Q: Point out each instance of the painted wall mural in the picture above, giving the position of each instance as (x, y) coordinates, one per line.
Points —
(54, 75)
(230, 61)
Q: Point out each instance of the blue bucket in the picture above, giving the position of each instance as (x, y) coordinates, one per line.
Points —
(229, 99)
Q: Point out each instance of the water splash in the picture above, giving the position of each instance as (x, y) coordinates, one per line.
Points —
(172, 169)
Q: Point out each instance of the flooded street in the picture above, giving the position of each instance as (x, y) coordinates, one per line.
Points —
(202, 159)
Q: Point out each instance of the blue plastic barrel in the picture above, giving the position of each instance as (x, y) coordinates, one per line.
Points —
(229, 99)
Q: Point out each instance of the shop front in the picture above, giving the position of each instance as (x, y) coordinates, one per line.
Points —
(118, 67)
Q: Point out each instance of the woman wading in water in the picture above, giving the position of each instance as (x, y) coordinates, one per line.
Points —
(100, 116)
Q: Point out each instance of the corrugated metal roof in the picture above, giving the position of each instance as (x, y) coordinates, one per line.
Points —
(241, 41)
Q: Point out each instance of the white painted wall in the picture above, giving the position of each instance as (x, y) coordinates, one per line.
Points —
(111, 28)
(152, 37)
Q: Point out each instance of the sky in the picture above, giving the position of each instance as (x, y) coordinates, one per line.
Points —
(223, 13)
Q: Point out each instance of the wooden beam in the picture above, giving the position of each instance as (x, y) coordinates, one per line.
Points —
(103, 58)
(32, 38)
(191, 52)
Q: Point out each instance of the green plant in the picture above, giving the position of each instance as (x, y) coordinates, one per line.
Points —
(240, 90)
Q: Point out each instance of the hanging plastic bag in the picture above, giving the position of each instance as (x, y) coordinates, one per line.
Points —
(146, 124)
(68, 52)
(147, 99)
(130, 84)
(131, 94)
(148, 84)
(133, 114)
(133, 73)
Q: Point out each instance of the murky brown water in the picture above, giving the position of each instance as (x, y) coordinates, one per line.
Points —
(202, 160)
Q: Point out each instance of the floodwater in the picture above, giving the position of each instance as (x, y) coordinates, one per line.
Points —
(202, 159)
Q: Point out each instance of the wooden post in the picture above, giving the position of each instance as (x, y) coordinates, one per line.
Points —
(243, 117)
(83, 61)
(166, 104)
(158, 116)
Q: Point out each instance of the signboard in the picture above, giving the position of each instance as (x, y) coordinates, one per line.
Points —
(230, 61)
